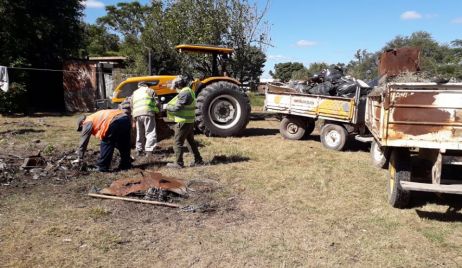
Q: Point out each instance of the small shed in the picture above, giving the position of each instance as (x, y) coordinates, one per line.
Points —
(89, 83)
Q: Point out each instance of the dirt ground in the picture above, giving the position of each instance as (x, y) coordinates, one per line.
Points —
(268, 202)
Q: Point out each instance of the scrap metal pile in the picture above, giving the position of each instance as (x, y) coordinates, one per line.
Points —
(330, 82)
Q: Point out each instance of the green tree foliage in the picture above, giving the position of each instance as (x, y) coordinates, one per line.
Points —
(284, 71)
(302, 74)
(161, 25)
(364, 66)
(436, 59)
(39, 34)
(99, 42)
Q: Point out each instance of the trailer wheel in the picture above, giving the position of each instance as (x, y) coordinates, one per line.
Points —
(379, 155)
(399, 170)
(292, 128)
(334, 137)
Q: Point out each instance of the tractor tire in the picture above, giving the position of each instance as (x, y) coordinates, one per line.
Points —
(292, 128)
(399, 170)
(380, 155)
(222, 109)
(334, 137)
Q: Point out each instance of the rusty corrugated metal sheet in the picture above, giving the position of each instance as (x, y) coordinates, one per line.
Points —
(396, 61)
(124, 187)
(80, 85)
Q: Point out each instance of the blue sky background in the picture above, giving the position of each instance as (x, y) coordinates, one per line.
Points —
(332, 31)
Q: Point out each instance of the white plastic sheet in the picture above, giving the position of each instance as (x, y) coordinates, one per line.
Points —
(4, 82)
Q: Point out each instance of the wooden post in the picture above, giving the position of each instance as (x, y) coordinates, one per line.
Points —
(134, 200)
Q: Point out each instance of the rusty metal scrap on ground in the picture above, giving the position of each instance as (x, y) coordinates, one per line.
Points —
(151, 179)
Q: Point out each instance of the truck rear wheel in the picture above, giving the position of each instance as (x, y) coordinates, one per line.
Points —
(379, 155)
(399, 170)
(292, 128)
(334, 136)
(223, 109)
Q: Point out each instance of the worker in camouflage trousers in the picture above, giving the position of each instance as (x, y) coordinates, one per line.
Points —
(181, 109)
(113, 128)
(144, 108)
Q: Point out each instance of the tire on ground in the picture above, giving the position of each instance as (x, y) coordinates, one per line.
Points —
(292, 128)
(334, 136)
(399, 170)
(380, 155)
(222, 109)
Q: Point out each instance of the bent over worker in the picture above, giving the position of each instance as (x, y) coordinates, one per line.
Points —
(182, 110)
(113, 128)
(144, 108)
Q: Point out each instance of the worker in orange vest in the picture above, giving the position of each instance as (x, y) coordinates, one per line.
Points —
(113, 128)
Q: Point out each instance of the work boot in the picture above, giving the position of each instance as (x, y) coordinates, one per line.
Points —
(139, 154)
(103, 169)
(197, 163)
(150, 154)
(174, 165)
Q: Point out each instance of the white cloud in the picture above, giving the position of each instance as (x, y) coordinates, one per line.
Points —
(411, 15)
(457, 20)
(93, 4)
(306, 43)
(277, 57)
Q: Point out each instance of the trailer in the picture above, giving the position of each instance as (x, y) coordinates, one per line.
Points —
(419, 119)
(341, 117)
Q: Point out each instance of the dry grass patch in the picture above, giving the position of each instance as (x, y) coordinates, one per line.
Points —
(277, 203)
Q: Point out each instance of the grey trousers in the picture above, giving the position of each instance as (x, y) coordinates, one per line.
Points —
(146, 137)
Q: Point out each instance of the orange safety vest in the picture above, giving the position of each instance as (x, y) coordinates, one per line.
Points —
(101, 121)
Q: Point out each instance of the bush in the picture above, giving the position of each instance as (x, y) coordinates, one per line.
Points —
(15, 100)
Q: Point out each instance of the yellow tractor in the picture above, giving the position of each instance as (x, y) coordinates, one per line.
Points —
(223, 108)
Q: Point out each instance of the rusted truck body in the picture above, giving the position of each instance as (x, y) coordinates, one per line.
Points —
(420, 118)
(341, 116)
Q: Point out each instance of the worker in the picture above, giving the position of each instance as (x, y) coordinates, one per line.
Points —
(113, 128)
(181, 109)
(144, 109)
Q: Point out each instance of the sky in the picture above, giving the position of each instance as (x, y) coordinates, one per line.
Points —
(332, 31)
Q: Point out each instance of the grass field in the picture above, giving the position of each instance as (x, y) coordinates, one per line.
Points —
(277, 203)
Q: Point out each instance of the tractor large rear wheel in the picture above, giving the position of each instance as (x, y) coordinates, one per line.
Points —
(223, 109)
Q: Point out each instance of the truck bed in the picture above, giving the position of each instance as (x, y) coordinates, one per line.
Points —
(286, 101)
(419, 115)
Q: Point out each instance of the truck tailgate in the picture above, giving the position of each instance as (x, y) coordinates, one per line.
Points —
(421, 115)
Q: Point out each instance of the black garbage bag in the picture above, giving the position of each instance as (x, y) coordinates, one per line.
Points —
(333, 74)
(326, 88)
(346, 88)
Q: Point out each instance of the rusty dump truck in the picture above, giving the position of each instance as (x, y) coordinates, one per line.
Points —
(423, 120)
(341, 116)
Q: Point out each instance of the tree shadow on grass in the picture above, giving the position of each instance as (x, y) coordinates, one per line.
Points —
(253, 132)
(151, 164)
(225, 159)
(21, 131)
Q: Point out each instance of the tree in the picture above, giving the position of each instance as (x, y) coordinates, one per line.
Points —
(161, 25)
(40, 34)
(316, 67)
(99, 42)
(364, 66)
(436, 59)
(284, 71)
(302, 74)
